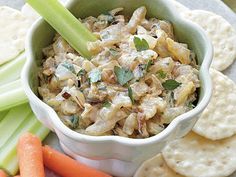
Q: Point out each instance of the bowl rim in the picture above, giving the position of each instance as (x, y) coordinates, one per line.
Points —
(58, 125)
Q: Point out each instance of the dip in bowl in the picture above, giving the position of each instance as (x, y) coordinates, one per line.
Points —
(120, 155)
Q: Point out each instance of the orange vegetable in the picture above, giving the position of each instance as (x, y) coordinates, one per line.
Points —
(29, 150)
(2, 173)
(66, 166)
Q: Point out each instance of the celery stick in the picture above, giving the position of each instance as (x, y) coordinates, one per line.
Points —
(12, 121)
(10, 86)
(73, 31)
(42, 132)
(12, 98)
(11, 71)
(8, 154)
(3, 114)
(8, 151)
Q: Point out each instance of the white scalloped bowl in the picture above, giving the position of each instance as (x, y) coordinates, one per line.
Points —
(116, 155)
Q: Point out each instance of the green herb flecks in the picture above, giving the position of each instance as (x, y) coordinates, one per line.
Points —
(107, 17)
(113, 52)
(110, 19)
(140, 44)
(81, 72)
(171, 84)
(106, 104)
(95, 75)
(191, 105)
(130, 93)
(148, 65)
(74, 122)
(69, 66)
(161, 74)
(123, 75)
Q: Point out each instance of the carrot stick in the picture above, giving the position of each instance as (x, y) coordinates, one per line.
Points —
(66, 166)
(29, 150)
(2, 173)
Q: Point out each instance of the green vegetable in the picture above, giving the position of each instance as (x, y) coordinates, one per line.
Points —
(10, 86)
(171, 84)
(109, 18)
(11, 71)
(74, 121)
(3, 114)
(68, 26)
(130, 93)
(69, 66)
(113, 52)
(123, 75)
(161, 74)
(13, 94)
(106, 104)
(140, 44)
(191, 105)
(105, 19)
(82, 72)
(8, 154)
(95, 75)
(12, 121)
(147, 66)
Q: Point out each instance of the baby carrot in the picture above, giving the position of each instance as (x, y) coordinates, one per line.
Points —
(66, 166)
(29, 151)
(2, 173)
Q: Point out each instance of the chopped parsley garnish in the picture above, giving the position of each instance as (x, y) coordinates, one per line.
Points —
(147, 66)
(69, 66)
(74, 121)
(106, 104)
(191, 105)
(113, 52)
(110, 18)
(130, 93)
(161, 74)
(140, 44)
(171, 84)
(123, 75)
(81, 72)
(95, 75)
